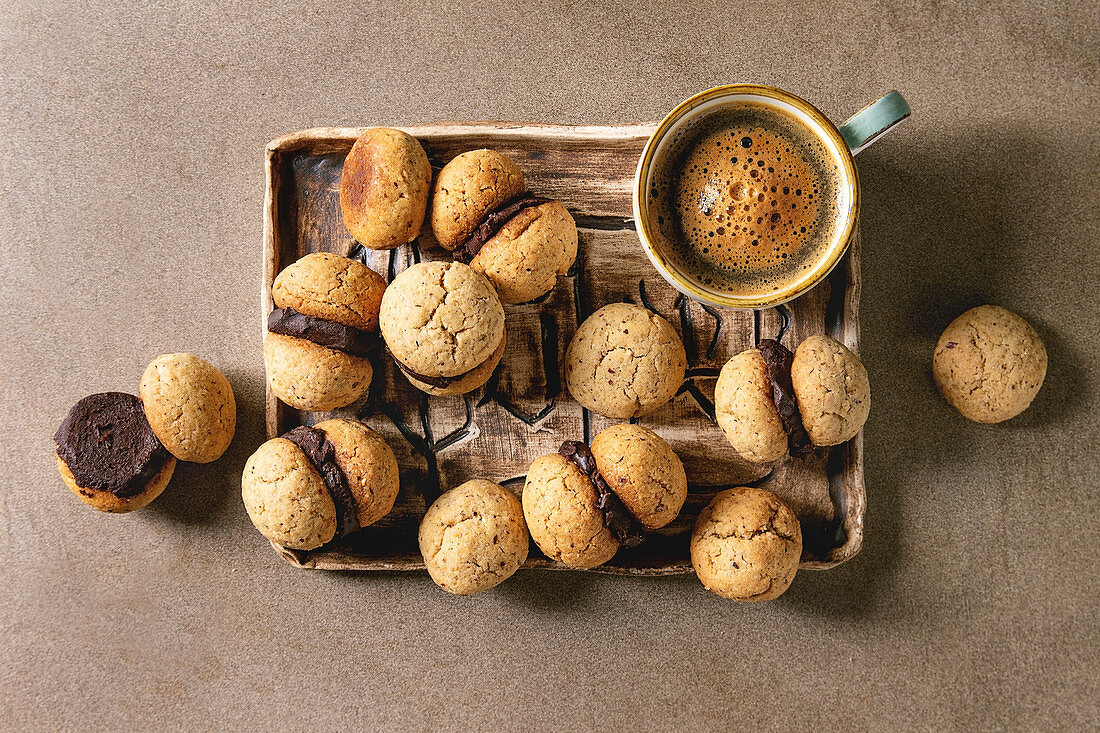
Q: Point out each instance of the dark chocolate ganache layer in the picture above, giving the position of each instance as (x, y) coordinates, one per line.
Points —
(616, 517)
(492, 224)
(322, 454)
(107, 443)
(330, 334)
(778, 359)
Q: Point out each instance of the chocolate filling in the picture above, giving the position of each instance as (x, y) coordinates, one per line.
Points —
(107, 443)
(330, 334)
(322, 454)
(778, 360)
(440, 382)
(616, 517)
(492, 224)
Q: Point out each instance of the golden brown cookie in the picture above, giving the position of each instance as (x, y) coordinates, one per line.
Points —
(624, 361)
(444, 326)
(324, 285)
(109, 456)
(369, 465)
(746, 545)
(643, 470)
(989, 364)
(307, 376)
(525, 257)
(286, 497)
(190, 407)
(834, 394)
(559, 506)
(473, 537)
(745, 410)
(468, 188)
(321, 331)
(384, 188)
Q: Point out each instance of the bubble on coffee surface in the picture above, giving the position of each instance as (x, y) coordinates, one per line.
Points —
(746, 198)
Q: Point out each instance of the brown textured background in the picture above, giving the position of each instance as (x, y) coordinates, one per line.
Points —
(130, 194)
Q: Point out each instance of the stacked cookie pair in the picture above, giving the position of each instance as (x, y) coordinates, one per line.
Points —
(117, 451)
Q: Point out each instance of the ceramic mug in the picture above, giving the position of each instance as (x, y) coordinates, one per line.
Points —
(842, 144)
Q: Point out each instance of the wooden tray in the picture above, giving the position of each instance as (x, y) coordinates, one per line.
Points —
(524, 412)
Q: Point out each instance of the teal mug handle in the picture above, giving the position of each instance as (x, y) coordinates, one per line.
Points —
(874, 121)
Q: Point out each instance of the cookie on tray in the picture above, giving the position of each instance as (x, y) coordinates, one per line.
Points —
(444, 326)
(190, 406)
(322, 329)
(384, 188)
(473, 537)
(317, 483)
(989, 364)
(109, 456)
(581, 504)
(481, 211)
(746, 545)
(624, 361)
(769, 401)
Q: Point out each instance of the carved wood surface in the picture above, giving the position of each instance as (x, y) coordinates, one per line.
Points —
(524, 411)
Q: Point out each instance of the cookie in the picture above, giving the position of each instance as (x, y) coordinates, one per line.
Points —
(109, 456)
(190, 407)
(582, 503)
(384, 188)
(559, 506)
(470, 187)
(745, 411)
(643, 471)
(624, 361)
(473, 537)
(746, 545)
(444, 326)
(524, 258)
(989, 364)
(832, 389)
(769, 401)
(322, 331)
(317, 483)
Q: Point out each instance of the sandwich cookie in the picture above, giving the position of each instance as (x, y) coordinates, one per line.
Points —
(989, 364)
(313, 484)
(581, 504)
(746, 545)
(624, 361)
(473, 537)
(323, 327)
(769, 401)
(481, 211)
(109, 456)
(444, 326)
(384, 188)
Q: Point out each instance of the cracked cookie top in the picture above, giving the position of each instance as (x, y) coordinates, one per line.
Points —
(831, 386)
(324, 285)
(467, 189)
(989, 364)
(473, 537)
(559, 505)
(746, 545)
(441, 319)
(643, 471)
(624, 361)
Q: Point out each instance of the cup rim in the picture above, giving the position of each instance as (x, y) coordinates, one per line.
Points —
(820, 271)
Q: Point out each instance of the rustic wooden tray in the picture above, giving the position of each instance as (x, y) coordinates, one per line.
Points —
(524, 412)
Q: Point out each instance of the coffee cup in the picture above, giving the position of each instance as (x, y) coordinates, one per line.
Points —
(746, 196)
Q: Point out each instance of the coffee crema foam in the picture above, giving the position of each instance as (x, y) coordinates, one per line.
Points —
(745, 200)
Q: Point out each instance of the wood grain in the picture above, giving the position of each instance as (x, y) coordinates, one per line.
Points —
(524, 411)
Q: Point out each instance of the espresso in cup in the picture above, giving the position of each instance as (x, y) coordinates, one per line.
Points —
(746, 200)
